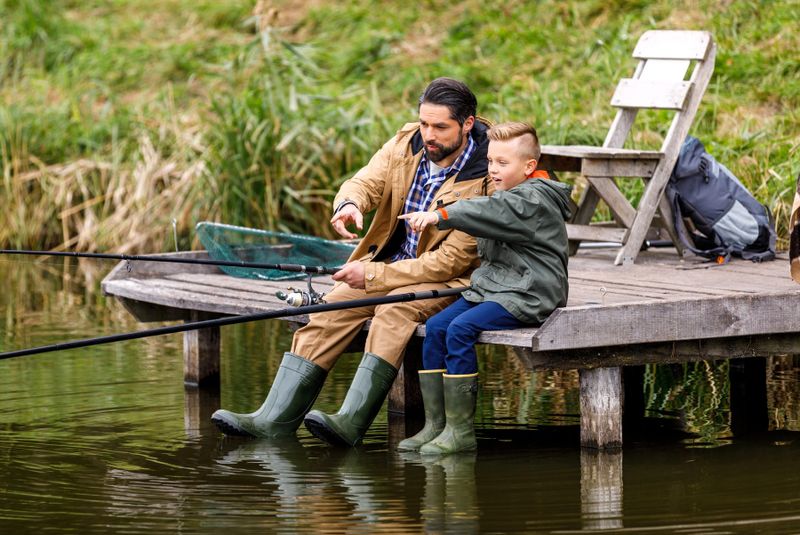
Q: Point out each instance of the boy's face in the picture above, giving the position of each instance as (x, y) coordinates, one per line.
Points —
(507, 166)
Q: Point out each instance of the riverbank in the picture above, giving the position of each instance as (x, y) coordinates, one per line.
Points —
(191, 111)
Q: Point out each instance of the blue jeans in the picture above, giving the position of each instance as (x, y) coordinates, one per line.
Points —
(451, 334)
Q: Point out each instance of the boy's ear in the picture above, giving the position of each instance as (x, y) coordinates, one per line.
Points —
(530, 166)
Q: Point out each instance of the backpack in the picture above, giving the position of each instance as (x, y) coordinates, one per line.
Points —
(730, 219)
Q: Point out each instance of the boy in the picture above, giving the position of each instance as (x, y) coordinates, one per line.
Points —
(522, 243)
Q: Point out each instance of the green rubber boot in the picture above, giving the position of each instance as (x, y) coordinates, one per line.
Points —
(460, 395)
(364, 399)
(430, 383)
(297, 385)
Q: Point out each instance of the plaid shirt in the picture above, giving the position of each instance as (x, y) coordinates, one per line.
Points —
(422, 192)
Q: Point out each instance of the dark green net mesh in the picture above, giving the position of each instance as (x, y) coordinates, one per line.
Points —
(240, 244)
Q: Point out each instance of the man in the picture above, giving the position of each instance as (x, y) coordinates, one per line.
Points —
(429, 164)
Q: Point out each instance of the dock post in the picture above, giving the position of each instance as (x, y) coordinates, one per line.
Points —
(405, 396)
(200, 353)
(601, 407)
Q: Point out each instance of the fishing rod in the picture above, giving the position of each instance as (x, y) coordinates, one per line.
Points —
(281, 313)
(321, 270)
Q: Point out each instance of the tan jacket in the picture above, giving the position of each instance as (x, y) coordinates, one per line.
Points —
(447, 256)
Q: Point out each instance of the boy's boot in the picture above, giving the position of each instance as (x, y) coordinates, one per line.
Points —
(370, 385)
(460, 395)
(432, 387)
(294, 390)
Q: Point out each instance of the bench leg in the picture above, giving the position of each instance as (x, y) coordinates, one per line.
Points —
(201, 354)
(601, 408)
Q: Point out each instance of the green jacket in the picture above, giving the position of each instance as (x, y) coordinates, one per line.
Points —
(522, 244)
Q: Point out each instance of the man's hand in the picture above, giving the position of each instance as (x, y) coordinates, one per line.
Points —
(351, 273)
(348, 214)
(419, 220)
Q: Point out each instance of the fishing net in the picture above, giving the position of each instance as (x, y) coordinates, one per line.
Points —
(240, 244)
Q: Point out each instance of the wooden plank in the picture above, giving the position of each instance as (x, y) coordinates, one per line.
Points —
(661, 353)
(593, 233)
(714, 317)
(673, 44)
(664, 69)
(145, 291)
(601, 167)
(650, 94)
(588, 151)
(623, 212)
(556, 162)
(601, 408)
(224, 281)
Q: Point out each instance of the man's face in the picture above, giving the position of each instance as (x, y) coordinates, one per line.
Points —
(441, 134)
(507, 166)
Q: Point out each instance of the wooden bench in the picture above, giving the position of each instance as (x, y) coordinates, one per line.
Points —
(660, 310)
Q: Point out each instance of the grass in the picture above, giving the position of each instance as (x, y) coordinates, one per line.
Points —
(118, 117)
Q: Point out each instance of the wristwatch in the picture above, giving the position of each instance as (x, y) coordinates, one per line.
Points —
(343, 204)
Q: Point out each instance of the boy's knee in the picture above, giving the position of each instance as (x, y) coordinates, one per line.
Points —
(461, 328)
(435, 326)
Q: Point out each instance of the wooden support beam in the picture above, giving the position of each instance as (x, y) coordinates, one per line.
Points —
(662, 353)
(201, 350)
(686, 319)
(601, 402)
(595, 233)
(405, 396)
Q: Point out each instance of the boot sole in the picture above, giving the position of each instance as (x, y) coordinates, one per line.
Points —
(323, 432)
(231, 430)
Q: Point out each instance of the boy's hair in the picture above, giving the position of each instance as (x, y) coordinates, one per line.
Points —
(455, 95)
(529, 142)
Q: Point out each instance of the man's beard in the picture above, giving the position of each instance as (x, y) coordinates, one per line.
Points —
(443, 151)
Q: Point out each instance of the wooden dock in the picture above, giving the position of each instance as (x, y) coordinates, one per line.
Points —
(661, 309)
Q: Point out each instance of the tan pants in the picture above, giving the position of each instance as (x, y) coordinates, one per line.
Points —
(328, 334)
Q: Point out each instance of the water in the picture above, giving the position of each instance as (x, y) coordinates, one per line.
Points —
(107, 440)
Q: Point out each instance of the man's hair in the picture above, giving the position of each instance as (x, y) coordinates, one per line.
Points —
(451, 93)
(529, 142)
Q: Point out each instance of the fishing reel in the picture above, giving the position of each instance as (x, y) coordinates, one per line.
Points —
(299, 298)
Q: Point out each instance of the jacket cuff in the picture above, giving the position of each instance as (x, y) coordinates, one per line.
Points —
(373, 277)
(344, 203)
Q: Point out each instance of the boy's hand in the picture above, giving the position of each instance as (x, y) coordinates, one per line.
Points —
(419, 220)
(348, 214)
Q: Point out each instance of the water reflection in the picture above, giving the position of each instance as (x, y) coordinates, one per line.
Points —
(108, 439)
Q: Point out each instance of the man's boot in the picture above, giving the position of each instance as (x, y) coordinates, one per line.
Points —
(294, 390)
(432, 388)
(364, 399)
(460, 395)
